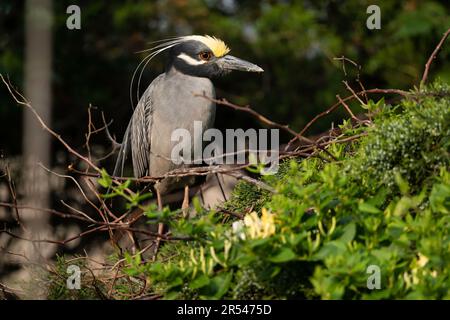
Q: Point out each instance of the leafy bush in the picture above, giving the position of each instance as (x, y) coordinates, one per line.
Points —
(57, 282)
(383, 205)
(384, 202)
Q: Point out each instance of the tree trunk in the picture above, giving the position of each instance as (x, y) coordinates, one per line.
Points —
(36, 142)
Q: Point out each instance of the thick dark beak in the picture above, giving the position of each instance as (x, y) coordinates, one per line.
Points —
(232, 63)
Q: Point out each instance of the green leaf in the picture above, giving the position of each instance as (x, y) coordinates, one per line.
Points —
(367, 207)
(258, 242)
(332, 248)
(349, 233)
(401, 183)
(199, 282)
(402, 206)
(142, 197)
(178, 281)
(105, 181)
(440, 198)
(109, 195)
(283, 255)
(223, 284)
(217, 286)
(197, 205)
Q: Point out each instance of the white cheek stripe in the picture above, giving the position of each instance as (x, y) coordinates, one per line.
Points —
(189, 60)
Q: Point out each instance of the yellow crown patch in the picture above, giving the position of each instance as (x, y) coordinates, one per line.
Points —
(217, 46)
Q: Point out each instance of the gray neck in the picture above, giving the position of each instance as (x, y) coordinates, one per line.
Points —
(173, 72)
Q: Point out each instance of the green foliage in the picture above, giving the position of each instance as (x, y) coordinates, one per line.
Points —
(133, 199)
(411, 147)
(90, 287)
(246, 196)
(384, 202)
(95, 283)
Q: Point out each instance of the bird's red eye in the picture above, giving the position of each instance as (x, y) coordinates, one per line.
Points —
(205, 55)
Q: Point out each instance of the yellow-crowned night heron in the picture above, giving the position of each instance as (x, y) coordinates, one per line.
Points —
(170, 103)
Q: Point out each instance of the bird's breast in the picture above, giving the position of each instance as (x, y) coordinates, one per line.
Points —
(182, 100)
(177, 105)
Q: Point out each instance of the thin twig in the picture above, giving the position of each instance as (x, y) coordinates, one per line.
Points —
(260, 184)
(263, 119)
(12, 191)
(337, 104)
(432, 57)
(231, 213)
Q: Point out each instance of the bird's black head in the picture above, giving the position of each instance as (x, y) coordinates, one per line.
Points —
(204, 56)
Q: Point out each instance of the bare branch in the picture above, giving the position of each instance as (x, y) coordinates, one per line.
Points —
(21, 100)
(432, 57)
(264, 120)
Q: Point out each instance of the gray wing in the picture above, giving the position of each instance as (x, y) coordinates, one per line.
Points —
(137, 137)
(141, 135)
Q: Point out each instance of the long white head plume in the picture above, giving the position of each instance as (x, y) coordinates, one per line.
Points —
(152, 52)
(217, 46)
